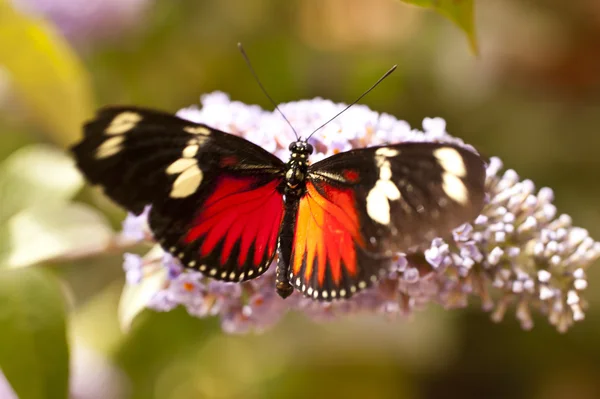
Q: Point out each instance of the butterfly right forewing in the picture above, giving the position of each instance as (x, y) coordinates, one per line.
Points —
(367, 204)
(409, 193)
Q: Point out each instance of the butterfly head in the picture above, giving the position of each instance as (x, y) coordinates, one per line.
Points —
(302, 149)
(297, 167)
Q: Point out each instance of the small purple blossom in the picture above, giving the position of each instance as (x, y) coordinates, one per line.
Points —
(135, 227)
(133, 267)
(174, 268)
(162, 302)
(516, 253)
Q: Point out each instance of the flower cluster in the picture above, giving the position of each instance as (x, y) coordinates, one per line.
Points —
(518, 251)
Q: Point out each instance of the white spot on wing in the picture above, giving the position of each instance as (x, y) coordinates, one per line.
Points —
(197, 130)
(181, 165)
(389, 189)
(110, 147)
(187, 182)
(387, 152)
(190, 151)
(378, 206)
(455, 188)
(123, 122)
(451, 161)
(385, 171)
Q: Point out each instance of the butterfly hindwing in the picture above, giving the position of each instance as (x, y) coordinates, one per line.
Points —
(215, 197)
(369, 203)
(329, 257)
(228, 231)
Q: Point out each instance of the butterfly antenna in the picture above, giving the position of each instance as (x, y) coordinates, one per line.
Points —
(263, 88)
(385, 75)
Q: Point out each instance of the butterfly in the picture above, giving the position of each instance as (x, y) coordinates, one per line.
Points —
(225, 206)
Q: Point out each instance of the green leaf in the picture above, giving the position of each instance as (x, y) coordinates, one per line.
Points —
(36, 175)
(461, 12)
(46, 73)
(55, 230)
(35, 354)
(156, 342)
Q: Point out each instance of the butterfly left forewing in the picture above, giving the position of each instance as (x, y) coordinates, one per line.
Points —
(398, 197)
(214, 196)
(138, 156)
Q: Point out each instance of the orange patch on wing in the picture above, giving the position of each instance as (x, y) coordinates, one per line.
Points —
(327, 229)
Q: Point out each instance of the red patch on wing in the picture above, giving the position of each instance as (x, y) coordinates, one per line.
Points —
(228, 161)
(327, 229)
(350, 175)
(238, 212)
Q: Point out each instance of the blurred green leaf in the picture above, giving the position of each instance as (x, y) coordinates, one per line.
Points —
(55, 230)
(135, 297)
(36, 175)
(35, 354)
(46, 73)
(461, 12)
(158, 340)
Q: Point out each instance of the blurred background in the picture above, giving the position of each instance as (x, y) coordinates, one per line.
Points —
(531, 97)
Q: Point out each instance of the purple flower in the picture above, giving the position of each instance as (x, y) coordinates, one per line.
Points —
(174, 268)
(517, 249)
(135, 227)
(132, 265)
(81, 21)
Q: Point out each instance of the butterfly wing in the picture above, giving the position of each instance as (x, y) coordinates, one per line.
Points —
(364, 205)
(215, 197)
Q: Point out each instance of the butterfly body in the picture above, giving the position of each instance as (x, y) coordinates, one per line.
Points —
(226, 207)
(294, 189)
